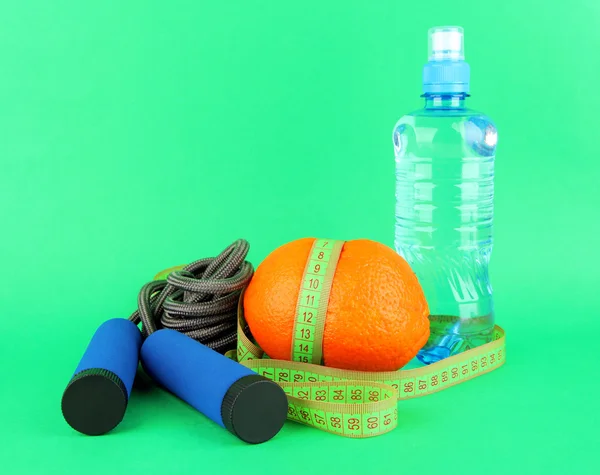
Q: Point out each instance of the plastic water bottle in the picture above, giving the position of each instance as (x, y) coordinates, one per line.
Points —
(444, 200)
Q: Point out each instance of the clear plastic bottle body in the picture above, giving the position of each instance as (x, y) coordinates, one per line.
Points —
(444, 213)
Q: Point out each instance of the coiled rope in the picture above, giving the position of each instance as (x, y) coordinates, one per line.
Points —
(200, 300)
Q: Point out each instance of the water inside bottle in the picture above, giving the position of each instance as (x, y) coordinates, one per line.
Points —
(444, 213)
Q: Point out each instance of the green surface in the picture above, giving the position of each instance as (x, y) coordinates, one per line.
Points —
(139, 135)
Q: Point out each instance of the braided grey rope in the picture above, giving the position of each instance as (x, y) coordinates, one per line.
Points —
(200, 300)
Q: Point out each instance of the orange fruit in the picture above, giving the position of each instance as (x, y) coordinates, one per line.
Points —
(377, 317)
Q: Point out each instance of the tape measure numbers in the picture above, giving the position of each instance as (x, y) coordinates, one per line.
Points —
(350, 403)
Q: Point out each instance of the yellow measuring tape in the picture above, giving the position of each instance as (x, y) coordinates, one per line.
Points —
(311, 308)
(349, 403)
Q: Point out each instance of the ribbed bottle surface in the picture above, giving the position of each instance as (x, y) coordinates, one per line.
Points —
(444, 215)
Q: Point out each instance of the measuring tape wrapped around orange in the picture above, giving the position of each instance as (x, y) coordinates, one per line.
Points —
(348, 402)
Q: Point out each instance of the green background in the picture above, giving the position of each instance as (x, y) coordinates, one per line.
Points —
(136, 135)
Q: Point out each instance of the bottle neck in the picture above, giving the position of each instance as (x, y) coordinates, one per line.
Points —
(437, 101)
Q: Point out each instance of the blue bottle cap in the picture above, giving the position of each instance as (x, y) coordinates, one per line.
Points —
(446, 71)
